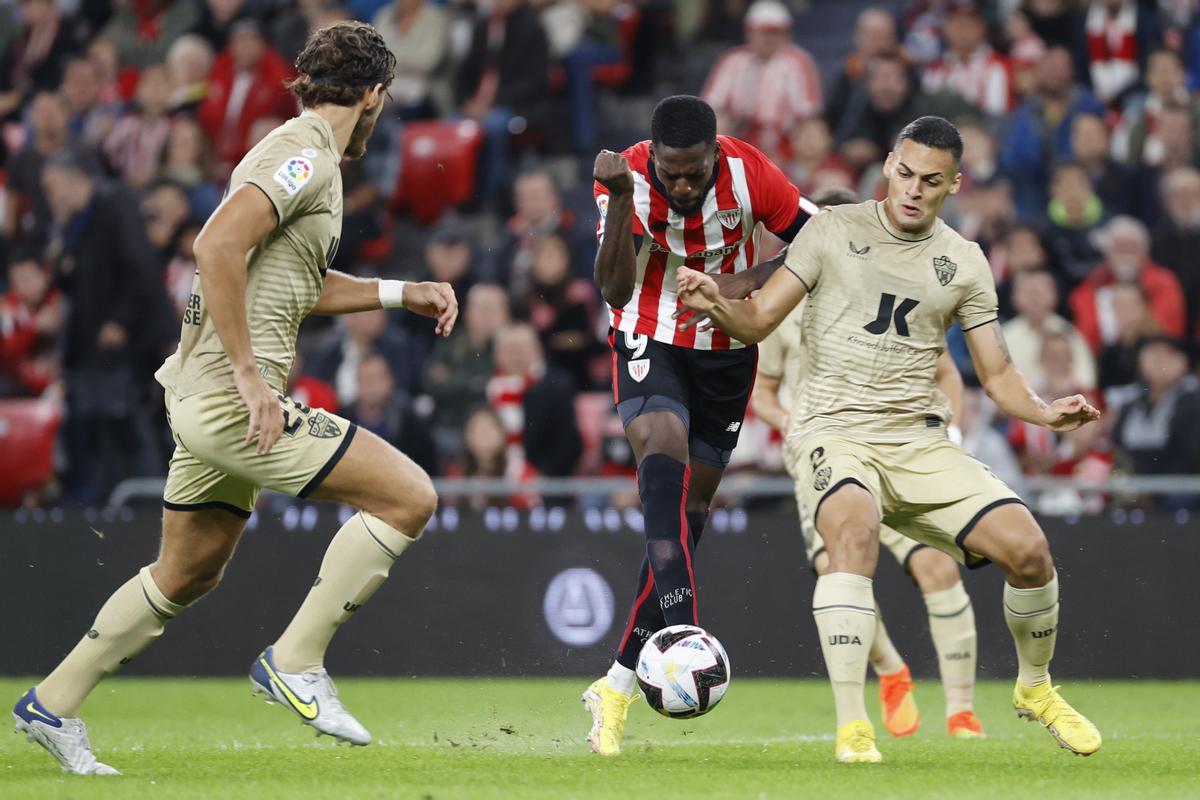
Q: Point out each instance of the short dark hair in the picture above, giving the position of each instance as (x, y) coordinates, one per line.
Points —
(834, 196)
(340, 63)
(936, 132)
(683, 120)
(73, 159)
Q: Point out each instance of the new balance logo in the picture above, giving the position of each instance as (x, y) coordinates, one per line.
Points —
(1043, 634)
(841, 638)
(734, 427)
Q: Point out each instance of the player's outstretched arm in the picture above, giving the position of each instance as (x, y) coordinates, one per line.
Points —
(616, 259)
(241, 221)
(347, 294)
(1005, 384)
(748, 321)
(765, 402)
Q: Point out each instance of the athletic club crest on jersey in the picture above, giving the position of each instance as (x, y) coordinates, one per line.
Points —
(638, 370)
(323, 427)
(729, 217)
(944, 268)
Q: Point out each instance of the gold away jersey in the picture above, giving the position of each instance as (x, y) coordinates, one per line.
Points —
(880, 302)
(296, 166)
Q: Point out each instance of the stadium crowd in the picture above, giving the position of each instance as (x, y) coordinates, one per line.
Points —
(121, 121)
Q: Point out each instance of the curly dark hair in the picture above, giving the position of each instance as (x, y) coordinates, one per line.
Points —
(341, 62)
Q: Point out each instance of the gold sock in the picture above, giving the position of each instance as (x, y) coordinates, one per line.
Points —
(844, 610)
(128, 622)
(1032, 617)
(355, 565)
(952, 626)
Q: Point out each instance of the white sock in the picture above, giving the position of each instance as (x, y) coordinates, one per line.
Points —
(885, 658)
(1032, 616)
(844, 610)
(622, 678)
(952, 626)
(355, 565)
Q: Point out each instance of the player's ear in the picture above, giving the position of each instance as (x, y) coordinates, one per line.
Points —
(956, 184)
(887, 166)
(375, 96)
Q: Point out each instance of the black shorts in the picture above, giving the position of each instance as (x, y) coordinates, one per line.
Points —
(707, 389)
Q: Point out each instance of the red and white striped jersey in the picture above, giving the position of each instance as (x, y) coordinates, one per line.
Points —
(984, 79)
(746, 189)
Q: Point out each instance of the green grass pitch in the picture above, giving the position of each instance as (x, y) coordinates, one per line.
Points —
(524, 739)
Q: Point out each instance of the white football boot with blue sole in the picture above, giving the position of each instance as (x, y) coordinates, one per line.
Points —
(65, 738)
(311, 696)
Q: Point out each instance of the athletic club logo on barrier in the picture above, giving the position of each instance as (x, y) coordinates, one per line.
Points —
(578, 606)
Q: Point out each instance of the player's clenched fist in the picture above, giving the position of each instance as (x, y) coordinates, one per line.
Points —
(1069, 413)
(612, 171)
(697, 290)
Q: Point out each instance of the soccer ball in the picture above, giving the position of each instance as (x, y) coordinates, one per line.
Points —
(683, 671)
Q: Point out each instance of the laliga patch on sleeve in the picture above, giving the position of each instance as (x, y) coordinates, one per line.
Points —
(293, 174)
(602, 204)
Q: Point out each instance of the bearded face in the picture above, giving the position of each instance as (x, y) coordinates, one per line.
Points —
(356, 148)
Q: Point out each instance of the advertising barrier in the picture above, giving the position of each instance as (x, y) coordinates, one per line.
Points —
(546, 592)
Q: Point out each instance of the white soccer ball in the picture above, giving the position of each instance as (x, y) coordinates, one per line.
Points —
(683, 671)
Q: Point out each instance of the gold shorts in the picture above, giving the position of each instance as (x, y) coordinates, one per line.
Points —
(931, 490)
(213, 467)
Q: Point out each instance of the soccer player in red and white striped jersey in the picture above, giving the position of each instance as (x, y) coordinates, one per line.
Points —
(686, 199)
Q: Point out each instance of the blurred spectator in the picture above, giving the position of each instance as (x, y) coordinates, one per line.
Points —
(978, 165)
(418, 33)
(1035, 297)
(135, 146)
(593, 40)
(143, 30)
(246, 84)
(355, 336)
(459, 367)
(535, 403)
(117, 331)
(1126, 247)
(760, 90)
(923, 22)
(449, 258)
(309, 390)
(886, 102)
(1039, 130)
(814, 159)
(180, 274)
(984, 212)
(165, 210)
(1110, 181)
(293, 22)
(1074, 216)
(559, 307)
(969, 66)
(1025, 52)
(1118, 360)
(1137, 138)
(217, 18)
(1176, 240)
(1158, 433)
(487, 454)
(1045, 452)
(539, 212)
(189, 62)
(388, 414)
(1021, 250)
(34, 58)
(503, 84)
(986, 443)
(92, 111)
(30, 323)
(187, 161)
(26, 213)
(1120, 35)
(874, 35)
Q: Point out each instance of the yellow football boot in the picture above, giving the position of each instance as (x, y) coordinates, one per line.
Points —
(900, 715)
(965, 725)
(1043, 703)
(608, 708)
(856, 743)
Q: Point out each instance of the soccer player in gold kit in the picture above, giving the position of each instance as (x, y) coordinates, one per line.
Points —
(884, 281)
(262, 266)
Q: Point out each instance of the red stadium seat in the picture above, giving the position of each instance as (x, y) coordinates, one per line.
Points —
(27, 431)
(437, 168)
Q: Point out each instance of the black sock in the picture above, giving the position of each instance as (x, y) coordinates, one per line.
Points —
(646, 617)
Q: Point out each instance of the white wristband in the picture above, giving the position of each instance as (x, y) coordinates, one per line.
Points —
(391, 294)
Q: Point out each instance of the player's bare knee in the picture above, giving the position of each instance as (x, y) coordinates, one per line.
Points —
(1029, 563)
(186, 583)
(933, 571)
(413, 505)
(853, 548)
